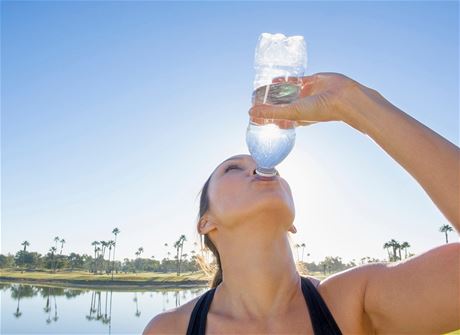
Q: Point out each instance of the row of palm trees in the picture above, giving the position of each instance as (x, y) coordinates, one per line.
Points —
(393, 247)
(100, 248)
(52, 250)
(396, 247)
(179, 246)
(298, 246)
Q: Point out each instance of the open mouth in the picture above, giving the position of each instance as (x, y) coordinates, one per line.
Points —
(262, 178)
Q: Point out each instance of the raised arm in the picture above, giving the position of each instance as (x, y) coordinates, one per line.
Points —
(431, 159)
(421, 294)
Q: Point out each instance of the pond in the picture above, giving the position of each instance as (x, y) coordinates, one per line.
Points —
(30, 309)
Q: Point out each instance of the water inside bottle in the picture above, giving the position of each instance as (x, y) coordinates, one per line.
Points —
(269, 144)
(276, 94)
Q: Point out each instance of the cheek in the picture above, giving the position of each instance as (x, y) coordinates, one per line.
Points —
(228, 200)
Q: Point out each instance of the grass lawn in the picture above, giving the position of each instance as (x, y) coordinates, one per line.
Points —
(134, 277)
(82, 277)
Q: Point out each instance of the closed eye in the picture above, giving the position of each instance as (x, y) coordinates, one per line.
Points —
(232, 167)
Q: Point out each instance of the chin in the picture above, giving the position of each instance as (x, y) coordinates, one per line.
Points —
(275, 208)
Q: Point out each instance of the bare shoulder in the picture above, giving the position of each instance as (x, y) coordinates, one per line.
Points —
(354, 277)
(173, 321)
(344, 294)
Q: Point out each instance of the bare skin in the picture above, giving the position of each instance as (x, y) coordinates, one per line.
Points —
(248, 221)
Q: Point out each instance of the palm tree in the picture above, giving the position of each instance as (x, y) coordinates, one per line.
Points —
(179, 245)
(25, 244)
(445, 229)
(387, 245)
(399, 247)
(405, 245)
(62, 241)
(115, 232)
(303, 248)
(110, 244)
(104, 245)
(395, 245)
(297, 246)
(139, 251)
(56, 241)
(52, 251)
(95, 244)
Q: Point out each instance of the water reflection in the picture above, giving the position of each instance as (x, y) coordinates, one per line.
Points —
(98, 310)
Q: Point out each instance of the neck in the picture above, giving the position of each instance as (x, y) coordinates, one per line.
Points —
(260, 278)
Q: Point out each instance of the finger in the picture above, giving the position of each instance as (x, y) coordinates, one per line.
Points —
(305, 123)
(305, 109)
(292, 80)
(281, 123)
(309, 85)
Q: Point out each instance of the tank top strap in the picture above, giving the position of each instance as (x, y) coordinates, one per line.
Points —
(321, 318)
(197, 323)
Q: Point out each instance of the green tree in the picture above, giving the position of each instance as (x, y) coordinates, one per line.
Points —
(405, 246)
(62, 241)
(104, 246)
(6, 261)
(52, 251)
(110, 245)
(445, 229)
(179, 246)
(387, 246)
(395, 246)
(399, 247)
(95, 244)
(303, 249)
(139, 251)
(332, 264)
(75, 260)
(56, 241)
(25, 244)
(115, 232)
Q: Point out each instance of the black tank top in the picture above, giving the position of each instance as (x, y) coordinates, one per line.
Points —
(321, 318)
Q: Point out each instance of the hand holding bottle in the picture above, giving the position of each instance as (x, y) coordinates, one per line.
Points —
(323, 97)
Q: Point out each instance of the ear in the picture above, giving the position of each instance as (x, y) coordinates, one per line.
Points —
(292, 229)
(206, 224)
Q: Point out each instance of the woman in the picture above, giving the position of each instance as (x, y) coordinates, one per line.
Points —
(245, 221)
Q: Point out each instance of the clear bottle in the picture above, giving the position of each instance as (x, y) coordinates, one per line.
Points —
(277, 56)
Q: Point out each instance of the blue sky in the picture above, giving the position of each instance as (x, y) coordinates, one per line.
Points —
(115, 113)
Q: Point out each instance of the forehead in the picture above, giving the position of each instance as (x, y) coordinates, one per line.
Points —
(236, 157)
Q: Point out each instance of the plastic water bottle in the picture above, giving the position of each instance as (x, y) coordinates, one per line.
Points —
(277, 56)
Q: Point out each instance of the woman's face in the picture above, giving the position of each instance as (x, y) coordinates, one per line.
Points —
(237, 195)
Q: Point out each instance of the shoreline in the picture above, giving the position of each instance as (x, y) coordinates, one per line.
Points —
(104, 285)
(79, 281)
